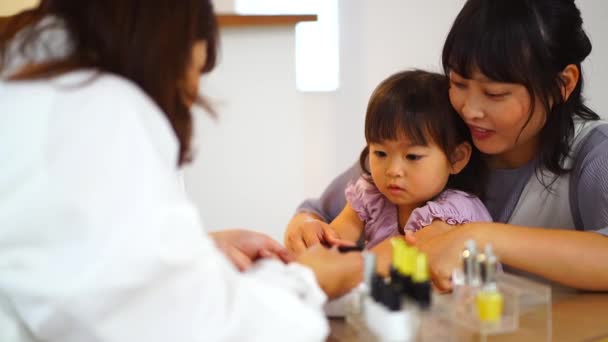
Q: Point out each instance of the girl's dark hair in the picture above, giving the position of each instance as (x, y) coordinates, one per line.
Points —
(146, 41)
(527, 42)
(415, 104)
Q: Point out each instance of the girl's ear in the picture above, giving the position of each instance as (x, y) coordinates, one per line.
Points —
(460, 157)
(570, 76)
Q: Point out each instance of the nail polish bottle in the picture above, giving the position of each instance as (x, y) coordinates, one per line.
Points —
(398, 279)
(471, 271)
(421, 285)
(489, 299)
(387, 315)
(404, 259)
(407, 265)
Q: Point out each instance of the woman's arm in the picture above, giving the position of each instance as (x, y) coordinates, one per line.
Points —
(573, 258)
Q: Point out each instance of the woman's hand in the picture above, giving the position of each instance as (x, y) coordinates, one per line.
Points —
(306, 230)
(443, 247)
(243, 247)
(337, 273)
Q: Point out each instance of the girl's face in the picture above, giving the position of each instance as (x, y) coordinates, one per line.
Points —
(497, 115)
(408, 175)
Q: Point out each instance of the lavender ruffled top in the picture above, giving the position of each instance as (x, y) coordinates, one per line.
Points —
(381, 216)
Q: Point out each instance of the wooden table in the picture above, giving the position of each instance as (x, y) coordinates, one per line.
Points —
(576, 317)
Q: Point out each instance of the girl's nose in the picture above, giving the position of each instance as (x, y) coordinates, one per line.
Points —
(395, 169)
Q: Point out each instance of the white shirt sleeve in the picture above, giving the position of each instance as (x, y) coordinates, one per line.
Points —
(105, 246)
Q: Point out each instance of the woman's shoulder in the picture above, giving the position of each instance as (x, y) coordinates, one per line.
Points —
(117, 101)
(593, 146)
(91, 103)
(103, 88)
(106, 97)
(82, 87)
(589, 180)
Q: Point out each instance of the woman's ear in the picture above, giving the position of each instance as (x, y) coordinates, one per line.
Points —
(570, 76)
(460, 157)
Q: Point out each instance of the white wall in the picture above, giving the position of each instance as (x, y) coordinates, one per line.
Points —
(10, 7)
(251, 169)
(595, 68)
(273, 146)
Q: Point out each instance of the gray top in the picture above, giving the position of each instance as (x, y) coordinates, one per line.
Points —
(588, 187)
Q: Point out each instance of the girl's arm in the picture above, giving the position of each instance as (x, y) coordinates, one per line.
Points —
(347, 224)
(307, 227)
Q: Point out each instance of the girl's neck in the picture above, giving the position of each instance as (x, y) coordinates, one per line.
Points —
(403, 214)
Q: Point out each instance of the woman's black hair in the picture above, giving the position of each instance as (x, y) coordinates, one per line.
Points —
(527, 42)
(415, 104)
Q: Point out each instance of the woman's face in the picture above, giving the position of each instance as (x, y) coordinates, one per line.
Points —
(198, 57)
(497, 115)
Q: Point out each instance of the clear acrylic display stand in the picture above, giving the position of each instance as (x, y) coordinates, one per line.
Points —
(526, 315)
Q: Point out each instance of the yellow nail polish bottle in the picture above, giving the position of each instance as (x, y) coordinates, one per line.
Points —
(489, 300)
(489, 305)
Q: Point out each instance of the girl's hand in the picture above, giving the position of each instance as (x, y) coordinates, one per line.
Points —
(384, 256)
(306, 230)
(337, 273)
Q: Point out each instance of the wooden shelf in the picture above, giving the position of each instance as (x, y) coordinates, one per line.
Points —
(237, 20)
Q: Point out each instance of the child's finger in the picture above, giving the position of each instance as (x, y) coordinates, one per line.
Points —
(441, 282)
(410, 238)
(331, 236)
(297, 245)
(310, 238)
(340, 243)
(443, 285)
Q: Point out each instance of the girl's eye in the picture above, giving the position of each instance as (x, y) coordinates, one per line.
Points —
(380, 154)
(413, 157)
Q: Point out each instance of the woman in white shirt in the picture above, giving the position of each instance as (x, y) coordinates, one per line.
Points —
(98, 242)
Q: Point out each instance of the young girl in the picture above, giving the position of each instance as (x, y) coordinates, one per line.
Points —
(422, 166)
